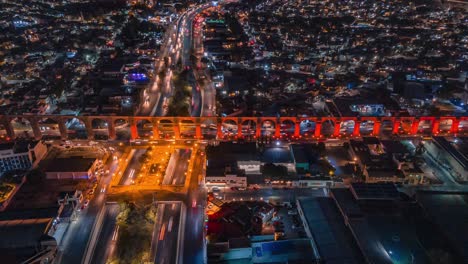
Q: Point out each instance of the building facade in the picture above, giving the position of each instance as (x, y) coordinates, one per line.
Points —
(20, 155)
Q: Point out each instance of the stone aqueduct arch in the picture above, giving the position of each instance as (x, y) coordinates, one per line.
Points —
(134, 127)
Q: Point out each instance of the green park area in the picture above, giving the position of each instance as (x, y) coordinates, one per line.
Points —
(8, 183)
(136, 223)
(6, 189)
(179, 104)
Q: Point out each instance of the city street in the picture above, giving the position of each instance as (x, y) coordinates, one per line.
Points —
(74, 243)
(131, 172)
(177, 169)
(185, 132)
(194, 242)
(161, 89)
(105, 244)
(166, 233)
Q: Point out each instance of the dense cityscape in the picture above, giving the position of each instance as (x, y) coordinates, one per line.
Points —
(233, 131)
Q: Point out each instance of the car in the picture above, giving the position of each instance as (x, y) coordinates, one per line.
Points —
(84, 205)
(292, 212)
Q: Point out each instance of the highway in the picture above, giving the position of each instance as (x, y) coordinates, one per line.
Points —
(76, 239)
(161, 89)
(166, 233)
(107, 238)
(177, 168)
(194, 244)
(131, 172)
(207, 92)
(74, 243)
(203, 96)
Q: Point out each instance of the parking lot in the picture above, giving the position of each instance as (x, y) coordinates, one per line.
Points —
(286, 223)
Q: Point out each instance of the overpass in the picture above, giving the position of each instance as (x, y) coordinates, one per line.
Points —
(140, 127)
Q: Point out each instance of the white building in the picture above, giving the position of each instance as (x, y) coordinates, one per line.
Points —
(225, 176)
(20, 155)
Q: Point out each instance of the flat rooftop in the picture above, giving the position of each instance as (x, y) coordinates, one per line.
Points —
(283, 251)
(277, 155)
(380, 229)
(41, 195)
(22, 233)
(450, 214)
(233, 151)
(70, 164)
(334, 241)
(299, 153)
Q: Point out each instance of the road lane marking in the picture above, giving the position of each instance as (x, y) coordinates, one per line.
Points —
(171, 220)
(116, 232)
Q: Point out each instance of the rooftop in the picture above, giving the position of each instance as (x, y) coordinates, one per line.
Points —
(277, 155)
(283, 251)
(70, 164)
(22, 233)
(383, 229)
(334, 241)
(457, 153)
(450, 214)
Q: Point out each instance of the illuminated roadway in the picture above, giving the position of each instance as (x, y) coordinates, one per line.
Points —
(133, 168)
(166, 233)
(74, 243)
(177, 175)
(194, 244)
(107, 238)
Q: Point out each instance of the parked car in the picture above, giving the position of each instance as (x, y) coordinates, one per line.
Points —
(85, 204)
(292, 212)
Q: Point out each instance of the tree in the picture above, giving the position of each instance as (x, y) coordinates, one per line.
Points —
(135, 233)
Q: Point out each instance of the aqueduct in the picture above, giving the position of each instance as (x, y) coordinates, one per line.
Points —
(135, 127)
